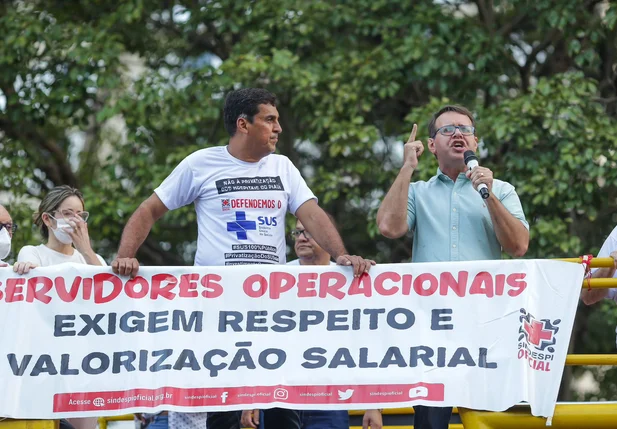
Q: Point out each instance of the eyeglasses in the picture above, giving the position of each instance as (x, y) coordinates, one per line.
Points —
(10, 227)
(448, 130)
(69, 214)
(295, 234)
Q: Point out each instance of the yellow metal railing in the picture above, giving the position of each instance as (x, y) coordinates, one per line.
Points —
(103, 420)
(582, 415)
(600, 283)
(29, 424)
(595, 262)
(596, 359)
(591, 360)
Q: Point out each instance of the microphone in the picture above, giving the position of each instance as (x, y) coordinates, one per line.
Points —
(471, 161)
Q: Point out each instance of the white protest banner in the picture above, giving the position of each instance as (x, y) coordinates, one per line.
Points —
(81, 341)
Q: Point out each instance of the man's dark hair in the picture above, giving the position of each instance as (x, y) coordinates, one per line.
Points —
(246, 102)
(449, 108)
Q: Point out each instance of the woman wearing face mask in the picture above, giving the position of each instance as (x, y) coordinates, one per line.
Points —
(62, 220)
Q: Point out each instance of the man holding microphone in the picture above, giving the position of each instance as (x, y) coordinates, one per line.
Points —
(449, 219)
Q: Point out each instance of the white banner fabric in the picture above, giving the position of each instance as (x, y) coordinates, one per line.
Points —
(80, 341)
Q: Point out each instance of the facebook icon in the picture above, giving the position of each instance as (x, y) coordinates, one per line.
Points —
(240, 226)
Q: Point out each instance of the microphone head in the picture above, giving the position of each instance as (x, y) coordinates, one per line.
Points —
(469, 155)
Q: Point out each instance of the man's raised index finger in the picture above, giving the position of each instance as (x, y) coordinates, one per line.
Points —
(414, 130)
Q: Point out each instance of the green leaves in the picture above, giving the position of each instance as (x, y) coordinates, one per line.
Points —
(352, 80)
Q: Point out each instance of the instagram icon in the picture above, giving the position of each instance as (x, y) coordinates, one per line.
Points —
(281, 394)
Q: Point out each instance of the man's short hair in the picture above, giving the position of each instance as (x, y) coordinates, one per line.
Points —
(432, 131)
(245, 102)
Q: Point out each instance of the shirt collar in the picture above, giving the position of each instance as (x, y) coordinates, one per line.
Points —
(444, 178)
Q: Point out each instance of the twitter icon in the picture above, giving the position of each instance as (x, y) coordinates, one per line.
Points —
(343, 396)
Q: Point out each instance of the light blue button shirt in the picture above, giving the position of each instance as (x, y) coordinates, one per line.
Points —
(451, 222)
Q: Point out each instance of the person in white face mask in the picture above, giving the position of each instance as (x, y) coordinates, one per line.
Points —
(63, 223)
(7, 229)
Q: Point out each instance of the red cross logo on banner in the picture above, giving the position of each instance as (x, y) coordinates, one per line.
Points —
(536, 332)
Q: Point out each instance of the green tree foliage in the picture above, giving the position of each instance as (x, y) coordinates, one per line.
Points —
(109, 96)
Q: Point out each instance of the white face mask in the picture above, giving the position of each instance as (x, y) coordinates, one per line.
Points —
(5, 243)
(62, 230)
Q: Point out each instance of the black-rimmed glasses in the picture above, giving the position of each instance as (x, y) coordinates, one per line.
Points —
(295, 234)
(448, 130)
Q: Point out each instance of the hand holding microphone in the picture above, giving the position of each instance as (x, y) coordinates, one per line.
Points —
(481, 178)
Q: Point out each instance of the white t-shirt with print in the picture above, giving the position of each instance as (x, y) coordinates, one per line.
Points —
(240, 206)
(43, 256)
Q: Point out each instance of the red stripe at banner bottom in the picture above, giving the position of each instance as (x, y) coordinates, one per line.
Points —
(246, 395)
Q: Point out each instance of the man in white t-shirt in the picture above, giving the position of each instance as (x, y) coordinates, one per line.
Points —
(241, 194)
(609, 249)
(311, 253)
